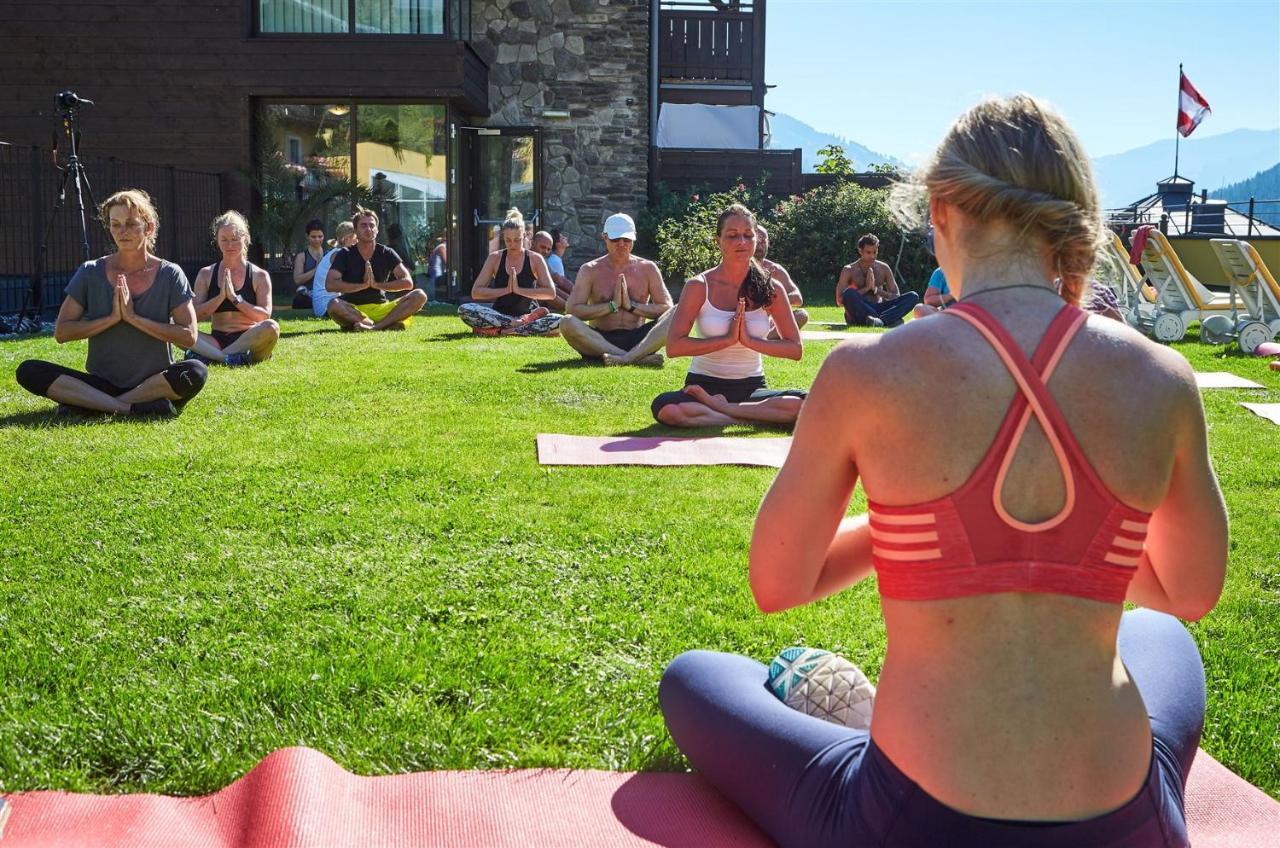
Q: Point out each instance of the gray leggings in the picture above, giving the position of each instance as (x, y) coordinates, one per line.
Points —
(486, 317)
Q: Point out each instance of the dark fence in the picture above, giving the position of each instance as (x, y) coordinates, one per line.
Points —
(684, 169)
(698, 42)
(186, 200)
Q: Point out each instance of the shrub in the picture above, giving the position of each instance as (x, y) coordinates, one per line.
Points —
(817, 233)
(687, 242)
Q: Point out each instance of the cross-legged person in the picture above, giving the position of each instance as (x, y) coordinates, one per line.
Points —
(1019, 704)
(868, 291)
(344, 236)
(620, 308)
(132, 306)
(777, 272)
(723, 321)
(234, 295)
(362, 274)
(937, 296)
(544, 245)
(511, 288)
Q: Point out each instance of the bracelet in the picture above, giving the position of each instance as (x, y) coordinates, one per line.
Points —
(613, 307)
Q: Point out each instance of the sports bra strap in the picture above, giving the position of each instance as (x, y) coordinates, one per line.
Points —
(1031, 381)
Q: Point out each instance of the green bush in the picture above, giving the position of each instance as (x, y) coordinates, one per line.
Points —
(817, 233)
(687, 242)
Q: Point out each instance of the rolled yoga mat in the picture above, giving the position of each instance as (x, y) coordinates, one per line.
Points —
(556, 449)
(299, 798)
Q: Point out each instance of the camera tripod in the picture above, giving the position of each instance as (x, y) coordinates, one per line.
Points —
(74, 177)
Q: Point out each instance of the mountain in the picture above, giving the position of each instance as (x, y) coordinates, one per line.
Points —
(1212, 162)
(1262, 186)
(788, 133)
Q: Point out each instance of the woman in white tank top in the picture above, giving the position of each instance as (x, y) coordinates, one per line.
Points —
(723, 321)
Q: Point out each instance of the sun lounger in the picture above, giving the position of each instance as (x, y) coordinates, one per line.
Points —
(1180, 297)
(1137, 300)
(298, 797)
(1256, 288)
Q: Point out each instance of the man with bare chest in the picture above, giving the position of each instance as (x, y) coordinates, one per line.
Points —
(620, 307)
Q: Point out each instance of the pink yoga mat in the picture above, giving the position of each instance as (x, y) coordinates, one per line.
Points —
(555, 449)
(1223, 380)
(1269, 411)
(299, 797)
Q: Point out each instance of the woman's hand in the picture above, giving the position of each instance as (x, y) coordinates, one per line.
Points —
(512, 282)
(124, 302)
(228, 288)
(738, 328)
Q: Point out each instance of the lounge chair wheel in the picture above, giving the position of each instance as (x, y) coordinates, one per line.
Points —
(1216, 329)
(1169, 327)
(1253, 334)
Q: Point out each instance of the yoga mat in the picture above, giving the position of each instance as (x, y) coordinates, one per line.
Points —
(297, 798)
(1223, 380)
(1269, 411)
(556, 449)
(823, 335)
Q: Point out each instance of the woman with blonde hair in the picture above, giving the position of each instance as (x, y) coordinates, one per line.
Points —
(344, 236)
(131, 305)
(1018, 703)
(235, 296)
(510, 288)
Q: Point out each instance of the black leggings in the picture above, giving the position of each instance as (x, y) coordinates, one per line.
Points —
(186, 377)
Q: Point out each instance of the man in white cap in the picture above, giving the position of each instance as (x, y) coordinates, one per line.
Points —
(620, 307)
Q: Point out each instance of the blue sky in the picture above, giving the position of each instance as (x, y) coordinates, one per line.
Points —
(893, 74)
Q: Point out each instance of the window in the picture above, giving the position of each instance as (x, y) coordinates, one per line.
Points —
(393, 17)
(394, 154)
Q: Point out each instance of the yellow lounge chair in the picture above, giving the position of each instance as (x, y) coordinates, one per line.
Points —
(1180, 297)
(1257, 289)
(1136, 298)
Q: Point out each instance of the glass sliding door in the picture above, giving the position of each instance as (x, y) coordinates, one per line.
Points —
(504, 174)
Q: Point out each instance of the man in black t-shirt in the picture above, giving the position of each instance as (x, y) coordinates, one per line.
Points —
(363, 274)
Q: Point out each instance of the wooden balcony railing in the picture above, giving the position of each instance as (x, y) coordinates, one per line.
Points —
(708, 43)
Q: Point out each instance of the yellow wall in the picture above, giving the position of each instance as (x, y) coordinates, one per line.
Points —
(379, 157)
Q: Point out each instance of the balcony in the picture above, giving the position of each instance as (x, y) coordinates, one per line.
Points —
(712, 43)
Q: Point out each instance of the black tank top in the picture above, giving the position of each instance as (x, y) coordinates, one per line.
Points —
(514, 304)
(246, 287)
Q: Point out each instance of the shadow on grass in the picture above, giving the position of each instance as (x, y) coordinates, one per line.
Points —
(448, 337)
(324, 330)
(656, 429)
(45, 418)
(557, 365)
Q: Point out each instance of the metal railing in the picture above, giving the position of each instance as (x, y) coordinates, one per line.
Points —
(186, 201)
(1250, 218)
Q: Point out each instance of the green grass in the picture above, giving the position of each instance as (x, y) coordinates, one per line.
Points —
(352, 547)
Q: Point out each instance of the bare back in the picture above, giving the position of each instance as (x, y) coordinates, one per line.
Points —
(969, 681)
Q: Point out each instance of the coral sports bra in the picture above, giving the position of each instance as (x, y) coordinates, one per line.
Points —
(966, 543)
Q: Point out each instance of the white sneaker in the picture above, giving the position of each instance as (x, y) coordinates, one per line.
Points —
(824, 685)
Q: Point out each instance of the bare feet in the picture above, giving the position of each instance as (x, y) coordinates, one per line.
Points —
(399, 325)
(710, 401)
(362, 326)
(652, 360)
(530, 317)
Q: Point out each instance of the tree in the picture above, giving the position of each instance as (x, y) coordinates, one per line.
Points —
(834, 161)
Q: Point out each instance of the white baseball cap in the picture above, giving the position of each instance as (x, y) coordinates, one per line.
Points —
(620, 226)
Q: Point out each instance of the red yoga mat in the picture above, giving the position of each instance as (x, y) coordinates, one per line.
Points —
(556, 449)
(299, 797)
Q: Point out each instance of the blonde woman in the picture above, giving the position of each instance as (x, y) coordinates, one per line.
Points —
(132, 306)
(1018, 703)
(234, 295)
(344, 236)
(510, 288)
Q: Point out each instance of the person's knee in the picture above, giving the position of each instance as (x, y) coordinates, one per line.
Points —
(187, 378)
(270, 328)
(417, 297)
(670, 414)
(802, 317)
(572, 326)
(36, 376)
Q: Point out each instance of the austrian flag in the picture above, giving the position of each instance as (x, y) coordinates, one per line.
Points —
(1192, 108)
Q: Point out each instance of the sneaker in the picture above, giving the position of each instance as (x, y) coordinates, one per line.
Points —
(191, 354)
(66, 412)
(238, 360)
(162, 408)
(873, 321)
(824, 685)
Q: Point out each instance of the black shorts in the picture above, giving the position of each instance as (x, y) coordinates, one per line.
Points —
(224, 339)
(627, 339)
(186, 377)
(734, 391)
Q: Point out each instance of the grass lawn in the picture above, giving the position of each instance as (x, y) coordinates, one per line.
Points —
(352, 547)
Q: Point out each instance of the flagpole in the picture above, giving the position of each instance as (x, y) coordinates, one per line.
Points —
(1177, 136)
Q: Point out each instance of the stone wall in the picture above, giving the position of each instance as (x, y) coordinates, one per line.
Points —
(591, 59)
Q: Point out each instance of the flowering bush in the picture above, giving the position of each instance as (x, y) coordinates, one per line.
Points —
(687, 241)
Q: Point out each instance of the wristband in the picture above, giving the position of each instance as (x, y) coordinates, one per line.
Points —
(613, 307)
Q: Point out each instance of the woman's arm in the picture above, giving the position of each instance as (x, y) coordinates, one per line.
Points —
(301, 277)
(179, 330)
(262, 293)
(68, 327)
(788, 346)
(545, 288)
(480, 289)
(679, 343)
(205, 307)
(1184, 565)
(803, 547)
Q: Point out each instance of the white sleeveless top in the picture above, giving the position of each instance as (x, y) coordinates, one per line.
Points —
(734, 362)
